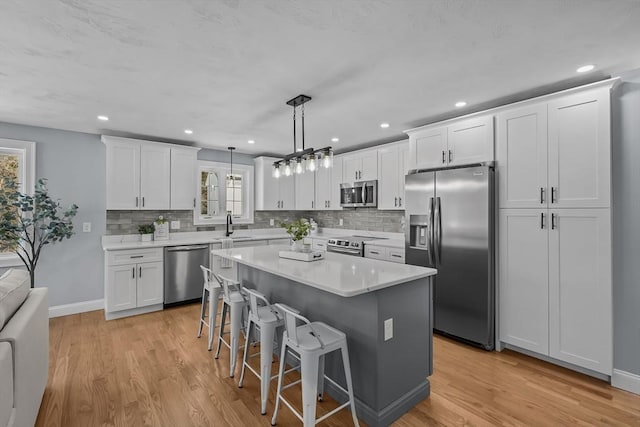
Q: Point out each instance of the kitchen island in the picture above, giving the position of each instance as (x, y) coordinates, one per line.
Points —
(357, 295)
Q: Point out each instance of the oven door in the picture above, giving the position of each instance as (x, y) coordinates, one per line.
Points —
(344, 250)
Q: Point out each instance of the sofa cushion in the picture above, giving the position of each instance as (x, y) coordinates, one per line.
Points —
(6, 385)
(14, 288)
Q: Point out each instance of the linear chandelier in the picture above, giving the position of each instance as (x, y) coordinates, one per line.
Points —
(305, 158)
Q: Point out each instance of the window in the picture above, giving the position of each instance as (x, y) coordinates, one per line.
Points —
(17, 161)
(221, 192)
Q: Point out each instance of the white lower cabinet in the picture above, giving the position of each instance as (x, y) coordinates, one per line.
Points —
(555, 286)
(134, 279)
(384, 253)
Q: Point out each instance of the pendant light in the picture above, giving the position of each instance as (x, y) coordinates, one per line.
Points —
(305, 158)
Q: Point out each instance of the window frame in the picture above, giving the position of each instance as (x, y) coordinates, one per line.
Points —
(247, 172)
(27, 181)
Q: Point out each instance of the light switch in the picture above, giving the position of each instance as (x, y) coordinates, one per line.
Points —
(175, 225)
(86, 227)
(388, 329)
(272, 222)
(341, 222)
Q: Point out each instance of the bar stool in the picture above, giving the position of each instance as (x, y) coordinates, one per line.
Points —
(210, 295)
(234, 301)
(312, 341)
(266, 318)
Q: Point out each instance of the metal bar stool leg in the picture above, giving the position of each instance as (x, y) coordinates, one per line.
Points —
(214, 294)
(223, 319)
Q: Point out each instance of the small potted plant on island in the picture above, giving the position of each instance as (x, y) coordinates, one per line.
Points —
(146, 232)
(298, 230)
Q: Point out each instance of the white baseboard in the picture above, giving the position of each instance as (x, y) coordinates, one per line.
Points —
(626, 381)
(76, 307)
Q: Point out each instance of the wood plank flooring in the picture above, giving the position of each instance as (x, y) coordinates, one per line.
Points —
(152, 370)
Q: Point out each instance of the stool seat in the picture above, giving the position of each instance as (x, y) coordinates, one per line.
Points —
(310, 336)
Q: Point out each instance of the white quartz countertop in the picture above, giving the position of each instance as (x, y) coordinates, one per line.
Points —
(179, 239)
(338, 274)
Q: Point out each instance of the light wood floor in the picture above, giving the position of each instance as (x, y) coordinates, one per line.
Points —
(152, 370)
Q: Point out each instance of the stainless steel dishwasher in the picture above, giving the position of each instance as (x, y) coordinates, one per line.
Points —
(182, 274)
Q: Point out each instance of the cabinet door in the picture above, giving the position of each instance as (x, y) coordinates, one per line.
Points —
(580, 320)
(150, 289)
(470, 141)
(523, 268)
(121, 287)
(429, 147)
(580, 150)
(336, 180)
(305, 191)
(155, 176)
(351, 168)
(388, 185)
(323, 189)
(369, 168)
(522, 157)
(404, 157)
(123, 175)
(287, 198)
(183, 179)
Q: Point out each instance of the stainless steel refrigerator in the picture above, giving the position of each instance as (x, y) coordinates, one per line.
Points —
(450, 226)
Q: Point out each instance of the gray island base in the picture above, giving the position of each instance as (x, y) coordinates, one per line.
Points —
(389, 377)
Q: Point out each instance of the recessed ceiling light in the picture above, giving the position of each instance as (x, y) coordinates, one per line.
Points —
(103, 118)
(461, 104)
(188, 131)
(251, 141)
(586, 68)
(384, 125)
(335, 139)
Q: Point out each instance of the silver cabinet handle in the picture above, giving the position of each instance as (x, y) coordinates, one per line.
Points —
(282, 203)
(396, 255)
(136, 201)
(443, 157)
(329, 204)
(143, 201)
(194, 202)
(541, 195)
(542, 221)
(136, 256)
(399, 201)
(553, 221)
(139, 271)
(554, 194)
(133, 273)
(395, 201)
(356, 172)
(374, 252)
(450, 156)
(312, 204)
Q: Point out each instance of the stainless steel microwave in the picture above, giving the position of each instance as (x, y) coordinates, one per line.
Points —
(359, 194)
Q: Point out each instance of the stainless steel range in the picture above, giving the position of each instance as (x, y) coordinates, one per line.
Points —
(351, 245)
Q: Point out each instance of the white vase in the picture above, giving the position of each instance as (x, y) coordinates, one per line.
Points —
(297, 245)
(146, 237)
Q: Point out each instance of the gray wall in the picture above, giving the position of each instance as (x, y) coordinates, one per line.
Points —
(626, 225)
(74, 164)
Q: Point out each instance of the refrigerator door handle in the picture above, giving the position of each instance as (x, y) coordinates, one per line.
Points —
(430, 247)
(437, 222)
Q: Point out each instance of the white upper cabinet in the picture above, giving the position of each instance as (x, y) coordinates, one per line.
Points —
(305, 191)
(580, 150)
(580, 291)
(336, 180)
(460, 142)
(123, 174)
(183, 178)
(523, 272)
(360, 166)
(521, 149)
(138, 174)
(391, 172)
(470, 141)
(155, 176)
(272, 194)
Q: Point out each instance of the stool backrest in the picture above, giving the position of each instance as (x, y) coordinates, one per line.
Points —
(228, 285)
(256, 299)
(206, 274)
(291, 317)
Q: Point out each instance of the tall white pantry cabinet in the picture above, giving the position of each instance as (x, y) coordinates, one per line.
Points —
(554, 199)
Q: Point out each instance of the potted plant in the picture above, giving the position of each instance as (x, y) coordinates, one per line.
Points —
(30, 222)
(297, 230)
(146, 232)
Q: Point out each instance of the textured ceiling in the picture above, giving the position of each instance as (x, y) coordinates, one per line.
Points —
(226, 68)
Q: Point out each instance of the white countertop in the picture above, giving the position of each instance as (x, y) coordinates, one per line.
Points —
(338, 274)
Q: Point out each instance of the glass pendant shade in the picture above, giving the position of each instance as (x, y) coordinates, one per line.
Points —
(287, 169)
(311, 162)
(299, 166)
(327, 159)
(276, 171)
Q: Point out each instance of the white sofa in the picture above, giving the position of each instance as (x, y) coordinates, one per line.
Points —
(24, 349)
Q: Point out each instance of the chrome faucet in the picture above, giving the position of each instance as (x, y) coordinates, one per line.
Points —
(229, 225)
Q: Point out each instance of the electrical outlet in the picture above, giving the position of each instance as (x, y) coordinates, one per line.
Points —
(86, 227)
(175, 225)
(388, 329)
(272, 222)
(341, 222)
